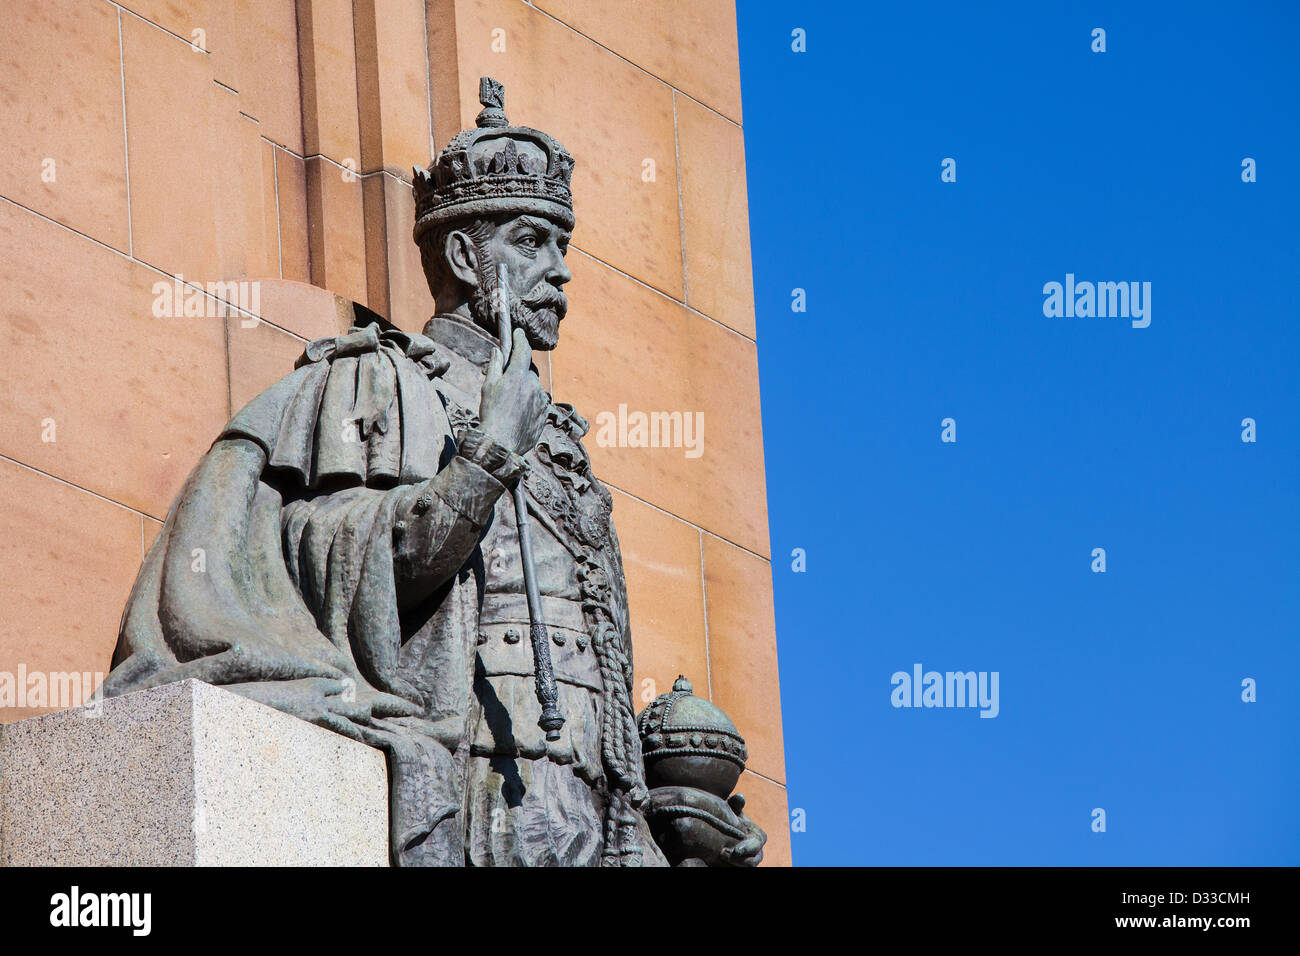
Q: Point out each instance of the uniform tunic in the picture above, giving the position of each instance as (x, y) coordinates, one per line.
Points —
(529, 801)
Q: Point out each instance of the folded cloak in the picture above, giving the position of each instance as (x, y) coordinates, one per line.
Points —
(274, 572)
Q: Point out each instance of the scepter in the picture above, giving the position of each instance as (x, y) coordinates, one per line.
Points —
(547, 694)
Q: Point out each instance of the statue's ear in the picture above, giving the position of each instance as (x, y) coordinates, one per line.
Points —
(462, 257)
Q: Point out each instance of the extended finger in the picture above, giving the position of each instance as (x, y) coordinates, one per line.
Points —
(351, 709)
(495, 363)
(340, 725)
(521, 354)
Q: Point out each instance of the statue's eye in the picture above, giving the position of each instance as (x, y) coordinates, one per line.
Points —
(528, 241)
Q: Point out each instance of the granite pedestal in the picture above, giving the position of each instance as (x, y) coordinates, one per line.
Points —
(188, 774)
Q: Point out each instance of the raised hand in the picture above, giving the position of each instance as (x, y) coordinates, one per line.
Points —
(513, 405)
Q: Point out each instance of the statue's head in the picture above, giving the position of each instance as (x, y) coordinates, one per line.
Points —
(498, 194)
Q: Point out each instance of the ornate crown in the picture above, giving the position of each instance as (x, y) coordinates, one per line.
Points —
(493, 169)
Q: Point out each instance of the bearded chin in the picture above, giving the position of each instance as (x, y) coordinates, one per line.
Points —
(542, 326)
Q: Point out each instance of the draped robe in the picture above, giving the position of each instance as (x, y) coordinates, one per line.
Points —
(324, 557)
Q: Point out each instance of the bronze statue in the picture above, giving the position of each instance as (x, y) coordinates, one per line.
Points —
(349, 551)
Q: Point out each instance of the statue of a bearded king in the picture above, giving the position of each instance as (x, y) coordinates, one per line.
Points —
(362, 558)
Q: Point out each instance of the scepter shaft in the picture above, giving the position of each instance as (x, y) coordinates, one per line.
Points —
(547, 693)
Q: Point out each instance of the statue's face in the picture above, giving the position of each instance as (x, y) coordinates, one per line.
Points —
(533, 249)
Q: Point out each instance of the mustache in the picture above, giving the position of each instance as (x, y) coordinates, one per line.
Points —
(546, 296)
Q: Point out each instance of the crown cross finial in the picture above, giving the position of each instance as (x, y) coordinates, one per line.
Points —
(492, 95)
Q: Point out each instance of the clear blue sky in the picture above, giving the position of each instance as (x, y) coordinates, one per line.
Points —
(1119, 690)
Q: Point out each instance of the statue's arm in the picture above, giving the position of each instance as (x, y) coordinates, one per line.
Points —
(438, 522)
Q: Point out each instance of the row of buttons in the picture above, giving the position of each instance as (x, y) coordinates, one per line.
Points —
(512, 636)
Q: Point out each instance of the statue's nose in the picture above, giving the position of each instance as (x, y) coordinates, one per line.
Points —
(558, 273)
